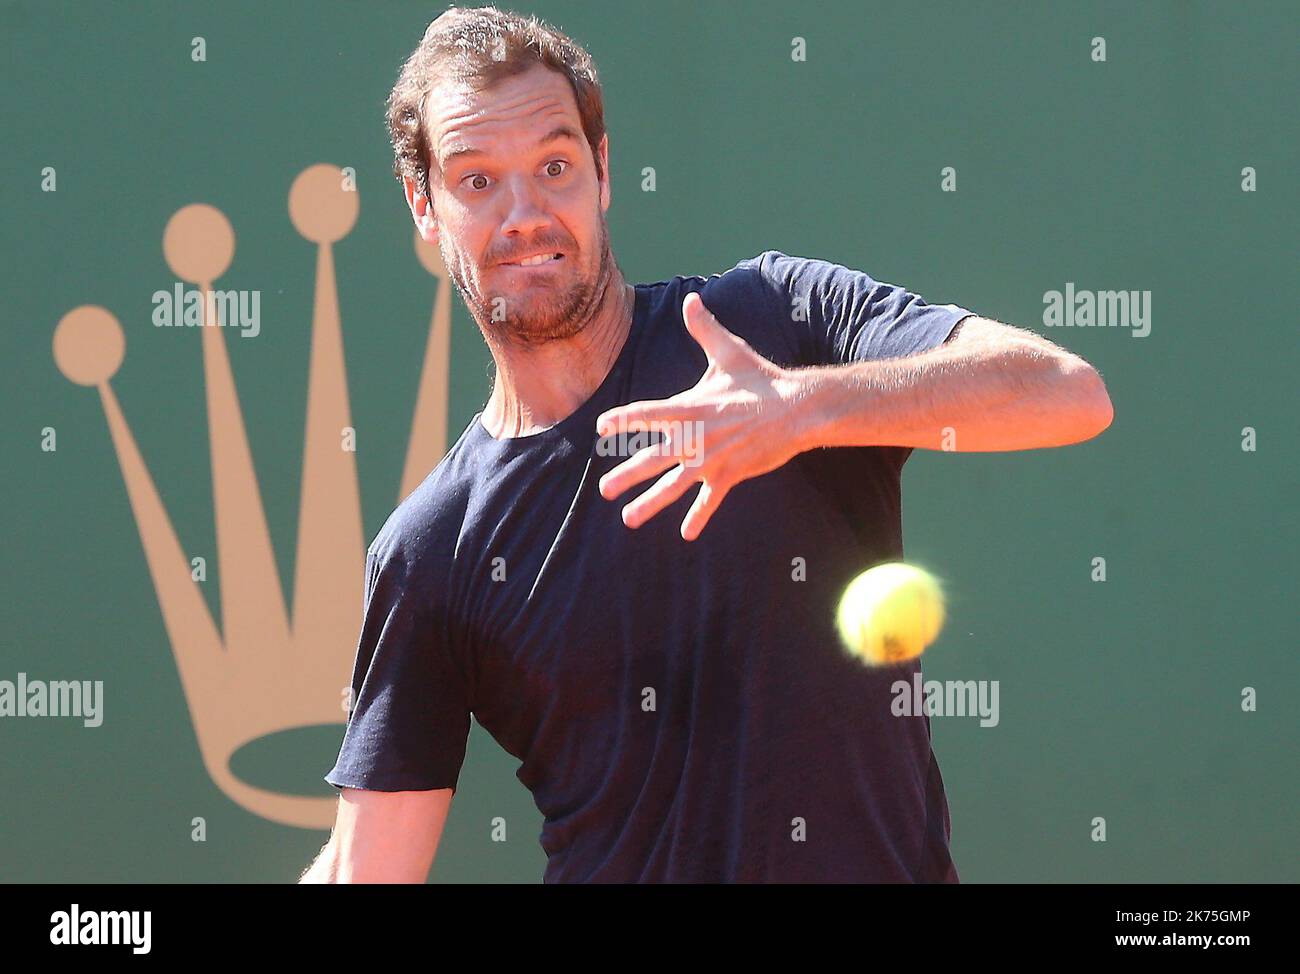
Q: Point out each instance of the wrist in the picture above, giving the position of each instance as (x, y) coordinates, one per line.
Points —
(807, 407)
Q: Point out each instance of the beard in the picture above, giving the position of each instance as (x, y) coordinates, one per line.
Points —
(540, 313)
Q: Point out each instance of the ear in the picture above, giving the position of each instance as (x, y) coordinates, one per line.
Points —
(421, 208)
(604, 168)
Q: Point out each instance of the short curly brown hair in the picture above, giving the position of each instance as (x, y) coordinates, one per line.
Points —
(480, 46)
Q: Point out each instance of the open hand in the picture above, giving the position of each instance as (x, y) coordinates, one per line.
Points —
(734, 424)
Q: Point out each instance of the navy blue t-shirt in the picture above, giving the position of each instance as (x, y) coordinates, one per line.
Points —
(681, 711)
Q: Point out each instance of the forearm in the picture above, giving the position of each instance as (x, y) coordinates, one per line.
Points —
(988, 393)
(324, 869)
(382, 837)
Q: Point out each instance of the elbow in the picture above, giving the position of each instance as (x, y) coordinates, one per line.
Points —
(1094, 410)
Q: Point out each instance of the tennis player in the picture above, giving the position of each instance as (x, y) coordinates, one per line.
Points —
(626, 567)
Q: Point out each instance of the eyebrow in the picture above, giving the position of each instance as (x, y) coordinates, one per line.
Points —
(554, 135)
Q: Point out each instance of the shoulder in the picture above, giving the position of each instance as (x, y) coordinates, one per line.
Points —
(792, 274)
(755, 299)
(773, 277)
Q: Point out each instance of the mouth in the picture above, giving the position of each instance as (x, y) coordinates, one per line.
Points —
(537, 260)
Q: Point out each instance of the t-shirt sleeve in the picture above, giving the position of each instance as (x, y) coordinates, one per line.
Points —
(411, 695)
(840, 315)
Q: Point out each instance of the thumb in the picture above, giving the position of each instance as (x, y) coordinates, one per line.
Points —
(708, 332)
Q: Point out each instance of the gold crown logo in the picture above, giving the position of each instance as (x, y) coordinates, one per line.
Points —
(264, 671)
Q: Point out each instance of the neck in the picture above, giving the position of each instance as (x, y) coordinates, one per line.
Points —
(536, 387)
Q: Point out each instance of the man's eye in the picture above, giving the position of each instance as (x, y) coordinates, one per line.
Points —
(476, 175)
(557, 162)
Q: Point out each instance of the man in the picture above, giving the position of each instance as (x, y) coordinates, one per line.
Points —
(663, 663)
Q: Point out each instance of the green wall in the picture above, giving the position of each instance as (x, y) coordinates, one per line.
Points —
(1119, 699)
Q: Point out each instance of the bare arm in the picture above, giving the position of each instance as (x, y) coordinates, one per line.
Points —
(990, 387)
(382, 837)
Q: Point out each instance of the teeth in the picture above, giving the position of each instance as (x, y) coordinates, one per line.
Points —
(534, 261)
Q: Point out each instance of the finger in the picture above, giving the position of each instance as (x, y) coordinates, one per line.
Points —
(650, 414)
(667, 489)
(706, 503)
(709, 333)
(642, 465)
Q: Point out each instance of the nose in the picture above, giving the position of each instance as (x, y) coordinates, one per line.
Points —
(526, 212)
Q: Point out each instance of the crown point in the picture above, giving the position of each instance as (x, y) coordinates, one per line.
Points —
(198, 243)
(88, 345)
(322, 205)
(430, 257)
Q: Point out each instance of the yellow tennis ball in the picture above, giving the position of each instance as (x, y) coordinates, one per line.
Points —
(890, 613)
